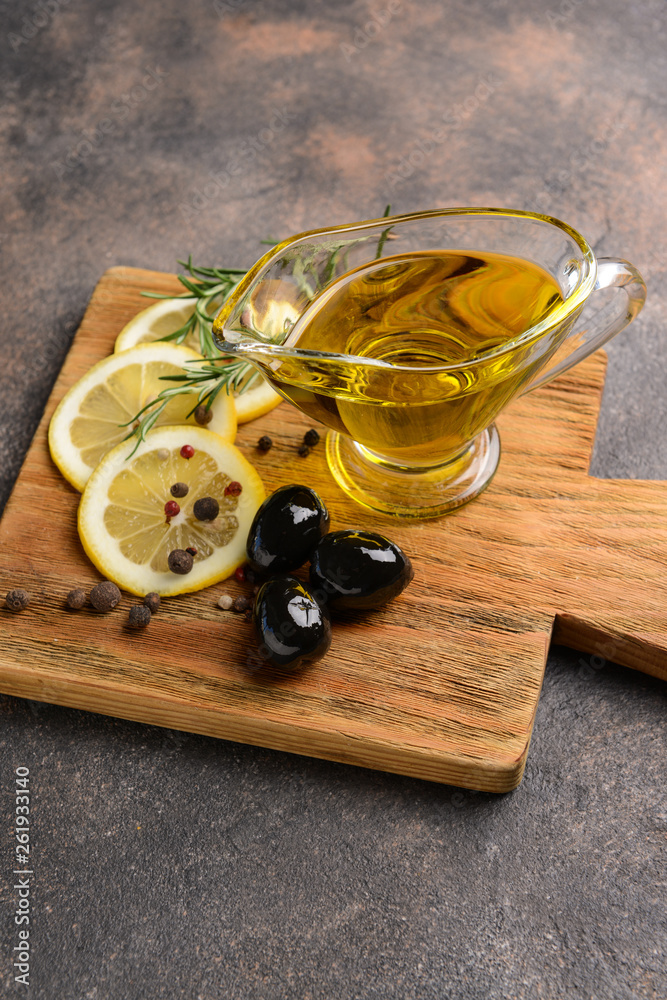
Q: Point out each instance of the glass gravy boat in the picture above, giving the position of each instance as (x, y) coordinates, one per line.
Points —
(407, 336)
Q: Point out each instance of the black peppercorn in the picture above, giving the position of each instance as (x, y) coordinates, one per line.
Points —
(206, 509)
(152, 602)
(311, 437)
(265, 443)
(203, 415)
(105, 596)
(139, 617)
(304, 450)
(180, 562)
(76, 598)
(179, 490)
(17, 600)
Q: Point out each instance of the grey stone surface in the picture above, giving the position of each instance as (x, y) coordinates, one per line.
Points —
(169, 865)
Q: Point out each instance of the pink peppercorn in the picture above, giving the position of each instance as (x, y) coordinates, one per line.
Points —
(171, 508)
(233, 489)
(187, 451)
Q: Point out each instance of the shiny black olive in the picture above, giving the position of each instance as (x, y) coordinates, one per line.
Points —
(286, 529)
(291, 627)
(358, 569)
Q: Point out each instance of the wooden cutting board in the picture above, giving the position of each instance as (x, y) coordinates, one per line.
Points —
(441, 684)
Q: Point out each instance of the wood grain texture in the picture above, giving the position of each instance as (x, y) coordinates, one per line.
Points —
(443, 683)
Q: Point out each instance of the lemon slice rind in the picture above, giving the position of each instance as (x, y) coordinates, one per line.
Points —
(159, 320)
(259, 399)
(104, 548)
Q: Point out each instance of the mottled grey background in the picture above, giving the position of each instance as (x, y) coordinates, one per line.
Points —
(170, 865)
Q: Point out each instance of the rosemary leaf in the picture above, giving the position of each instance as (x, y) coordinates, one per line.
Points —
(384, 234)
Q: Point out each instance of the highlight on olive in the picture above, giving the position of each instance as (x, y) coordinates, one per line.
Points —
(358, 569)
(286, 529)
(291, 627)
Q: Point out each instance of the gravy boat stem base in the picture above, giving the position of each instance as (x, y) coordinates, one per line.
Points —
(403, 493)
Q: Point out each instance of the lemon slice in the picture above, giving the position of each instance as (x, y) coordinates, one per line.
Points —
(122, 522)
(87, 422)
(169, 315)
(159, 320)
(255, 401)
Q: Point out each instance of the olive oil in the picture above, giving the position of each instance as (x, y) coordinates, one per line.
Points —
(425, 346)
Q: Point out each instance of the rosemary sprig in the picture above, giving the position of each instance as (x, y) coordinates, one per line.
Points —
(232, 376)
(209, 286)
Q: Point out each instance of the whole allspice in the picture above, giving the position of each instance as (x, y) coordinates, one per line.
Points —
(76, 598)
(152, 602)
(17, 600)
(139, 616)
(180, 561)
(105, 596)
(203, 415)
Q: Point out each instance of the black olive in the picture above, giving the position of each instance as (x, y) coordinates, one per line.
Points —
(290, 626)
(358, 569)
(286, 529)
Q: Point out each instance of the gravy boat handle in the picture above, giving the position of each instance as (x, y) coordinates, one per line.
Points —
(602, 324)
